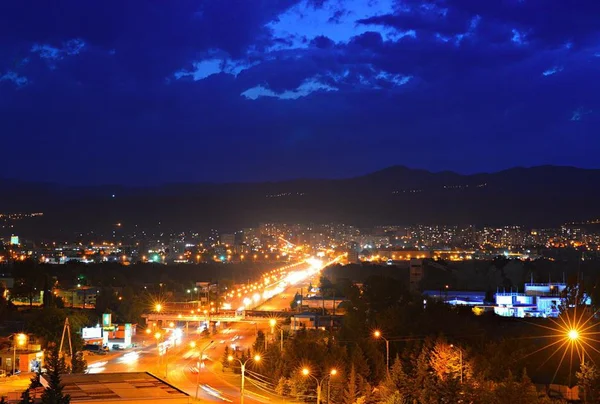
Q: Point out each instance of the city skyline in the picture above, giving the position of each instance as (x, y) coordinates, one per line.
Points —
(238, 91)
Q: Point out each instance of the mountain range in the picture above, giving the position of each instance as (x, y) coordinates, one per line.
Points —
(536, 196)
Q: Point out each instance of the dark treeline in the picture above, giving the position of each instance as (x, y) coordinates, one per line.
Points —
(432, 347)
(487, 276)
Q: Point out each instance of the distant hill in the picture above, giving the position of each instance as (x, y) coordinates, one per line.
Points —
(537, 196)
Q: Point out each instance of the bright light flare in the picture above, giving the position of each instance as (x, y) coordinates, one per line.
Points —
(573, 334)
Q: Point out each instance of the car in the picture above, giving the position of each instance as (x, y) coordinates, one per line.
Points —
(117, 347)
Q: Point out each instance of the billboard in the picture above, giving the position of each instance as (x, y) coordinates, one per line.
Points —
(14, 240)
(91, 333)
(203, 286)
(106, 320)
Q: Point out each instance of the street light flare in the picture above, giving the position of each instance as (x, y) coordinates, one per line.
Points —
(333, 372)
(305, 371)
(377, 334)
(256, 358)
(573, 334)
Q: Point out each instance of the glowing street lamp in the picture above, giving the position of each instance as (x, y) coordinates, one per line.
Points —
(199, 363)
(332, 372)
(573, 335)
(377, 334)
(158, 336)
(158, 307)
(20, 340)
(256, 358)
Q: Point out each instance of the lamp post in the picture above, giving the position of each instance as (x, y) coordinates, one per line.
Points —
(256, 358)
(273, 323)
(18, 339)
(377, 334)
(332, 372)
(198, 365)
(157, 335)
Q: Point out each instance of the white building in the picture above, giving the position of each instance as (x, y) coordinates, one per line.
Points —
(539, 300)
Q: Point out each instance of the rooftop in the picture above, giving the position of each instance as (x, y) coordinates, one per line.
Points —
(119, 387)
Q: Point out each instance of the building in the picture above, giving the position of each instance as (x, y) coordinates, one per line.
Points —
(83, 296)
(416, 274)
(119, 388)
(228, 239)
(310, 321)
(402, 255)
(538, 300)
(353, 256)
(317, 302)
(26, 360)
(457, 297)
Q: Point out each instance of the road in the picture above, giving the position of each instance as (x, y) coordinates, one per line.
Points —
(179, 364)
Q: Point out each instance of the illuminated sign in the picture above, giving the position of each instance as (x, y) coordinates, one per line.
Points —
(106, 320)
(91, 333)
(14, 240)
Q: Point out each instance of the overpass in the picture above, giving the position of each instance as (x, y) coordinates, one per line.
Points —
(224, 316)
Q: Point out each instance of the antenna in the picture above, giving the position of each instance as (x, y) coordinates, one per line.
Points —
(66, 330)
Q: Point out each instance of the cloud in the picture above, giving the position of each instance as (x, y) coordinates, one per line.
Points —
(396, 79)
(579, 113)
(337, 20)
(15, 78)
(308, 87)
(552, 70)
(51, 54)
(371, 71)
(208, 67)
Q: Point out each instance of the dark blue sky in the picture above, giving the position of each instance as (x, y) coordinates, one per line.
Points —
(142, 92)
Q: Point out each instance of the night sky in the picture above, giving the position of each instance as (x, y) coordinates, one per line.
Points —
(146, 92)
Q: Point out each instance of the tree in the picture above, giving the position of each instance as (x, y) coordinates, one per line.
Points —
(396, 383)
(55, 363)
(283, 387)
(259, 343)
(225, 357)
(588, 380)
(351, 393)
(446, 361)
(396, 398)
(25, 398)
(78, 363)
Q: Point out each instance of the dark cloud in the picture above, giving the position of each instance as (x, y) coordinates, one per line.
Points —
(143, 92)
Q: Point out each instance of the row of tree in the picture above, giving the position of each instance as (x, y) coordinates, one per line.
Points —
(439, 354)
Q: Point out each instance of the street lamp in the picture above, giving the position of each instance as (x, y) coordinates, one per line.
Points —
(158, 307)
(273, 323)
(157, 335)
(198, 365)
(18, 339)
(573, 335)
(332, 372)
(377, 334)
(256, 358)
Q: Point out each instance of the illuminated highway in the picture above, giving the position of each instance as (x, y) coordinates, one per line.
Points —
(177, 356)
